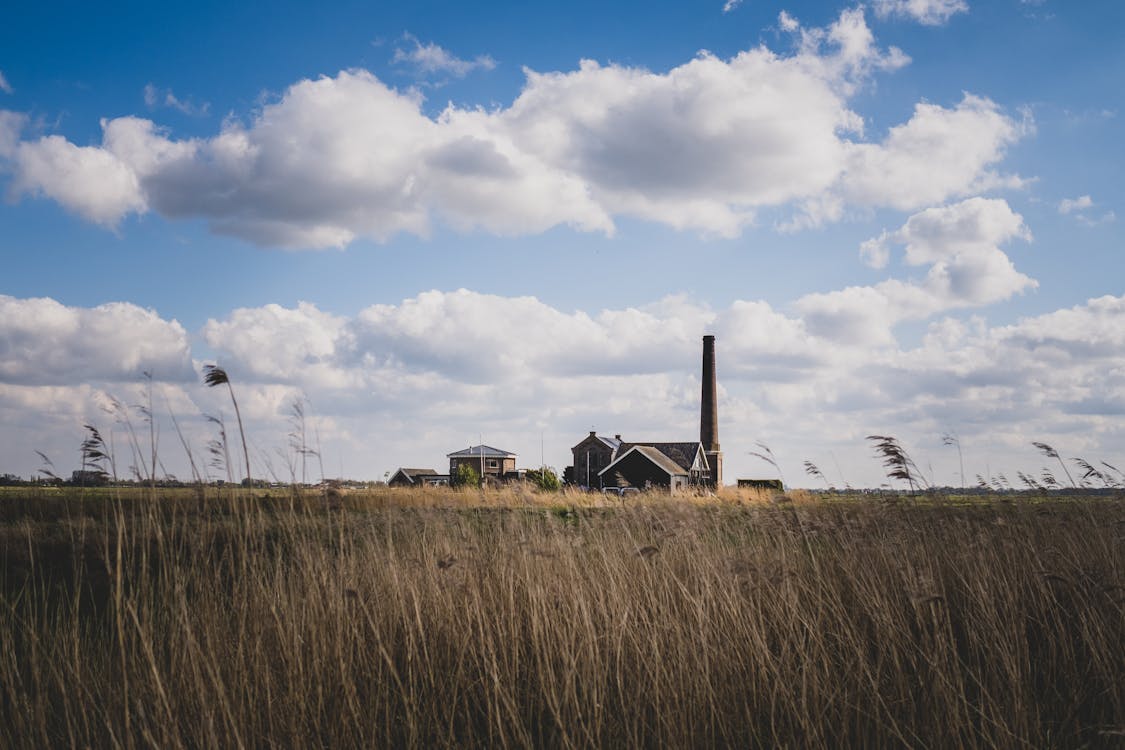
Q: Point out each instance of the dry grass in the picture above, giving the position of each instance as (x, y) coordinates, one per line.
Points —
(438, 619)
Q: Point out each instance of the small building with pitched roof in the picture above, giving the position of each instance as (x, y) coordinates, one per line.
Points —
(404, 477)
(671, 466)
(591, 455)
(484, 460)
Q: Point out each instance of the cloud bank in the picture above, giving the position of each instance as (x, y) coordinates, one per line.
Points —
(405, 382)
(703, 147)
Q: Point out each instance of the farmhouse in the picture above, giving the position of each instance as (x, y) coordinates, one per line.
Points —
(485, 460)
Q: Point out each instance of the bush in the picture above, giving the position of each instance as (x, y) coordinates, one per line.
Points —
(545, 479)
(466, 476)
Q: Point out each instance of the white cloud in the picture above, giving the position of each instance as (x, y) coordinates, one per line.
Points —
(156, 97)
(1068, 205)
(730, 5)
(1107, 218)
(44, 342)
(430, 58)
(701, 147)
(960, 245)
(87, 180)
(926, 12)
(940, 153)
(405, 383)
(276, 344)
(11, 123)
(1080, 208)
(4, 85)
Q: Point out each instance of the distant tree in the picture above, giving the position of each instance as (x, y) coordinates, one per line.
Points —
(466, 476)
(545, 479)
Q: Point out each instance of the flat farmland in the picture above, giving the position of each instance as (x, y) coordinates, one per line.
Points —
(509, 618)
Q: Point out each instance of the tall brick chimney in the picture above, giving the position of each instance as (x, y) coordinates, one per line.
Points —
(709, 413)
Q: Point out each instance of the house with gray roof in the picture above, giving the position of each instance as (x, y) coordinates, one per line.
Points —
(485, 460)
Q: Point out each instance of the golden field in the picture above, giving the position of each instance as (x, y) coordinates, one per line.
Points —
(389, 618)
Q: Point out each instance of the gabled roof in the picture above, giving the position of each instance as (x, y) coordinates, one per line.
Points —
(683, 454)
(660, 460)
(477, 451)
(612, 443)
(411, 474)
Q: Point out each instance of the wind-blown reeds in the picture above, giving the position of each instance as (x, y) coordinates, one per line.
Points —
(373, 622)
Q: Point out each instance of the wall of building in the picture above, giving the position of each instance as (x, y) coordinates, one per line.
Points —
(491, 465)
(590, 457)
(635, 470)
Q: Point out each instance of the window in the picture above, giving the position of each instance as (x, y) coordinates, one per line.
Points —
(493, 464)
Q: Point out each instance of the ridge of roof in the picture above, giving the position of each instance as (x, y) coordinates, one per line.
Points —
(683, 453)
(477, 451)
(655, 455)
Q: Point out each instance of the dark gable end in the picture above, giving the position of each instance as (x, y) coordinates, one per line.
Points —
(405, 476)
(643, 466)
(688, 456)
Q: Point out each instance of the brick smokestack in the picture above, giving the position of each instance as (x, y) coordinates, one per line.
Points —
(709, 405)
(709, 414)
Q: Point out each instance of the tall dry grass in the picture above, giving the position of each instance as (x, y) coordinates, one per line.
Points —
(371, 622)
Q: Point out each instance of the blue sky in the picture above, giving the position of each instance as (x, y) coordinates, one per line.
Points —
(433, 221)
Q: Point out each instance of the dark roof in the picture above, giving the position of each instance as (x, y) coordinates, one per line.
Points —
(410, 474)
(477, 451)
(682, 453)
(611, 443)
(663, 462)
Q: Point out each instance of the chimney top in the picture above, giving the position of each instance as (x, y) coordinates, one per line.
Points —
(593, 433)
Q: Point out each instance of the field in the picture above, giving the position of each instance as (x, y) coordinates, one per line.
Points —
(508, 618)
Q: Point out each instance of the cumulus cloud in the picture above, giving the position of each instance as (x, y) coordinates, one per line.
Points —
(405, 383)
(87, 180)
(440, 363)
(938, 154)
(446, 333)
(960, 245)
(926, 12)
(278, 344)
(430, 58)
(44, 342)
(703, 147)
